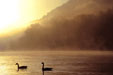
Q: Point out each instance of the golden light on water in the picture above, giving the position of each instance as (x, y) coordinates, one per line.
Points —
(16, 14)
(3, 66)
(7, 65)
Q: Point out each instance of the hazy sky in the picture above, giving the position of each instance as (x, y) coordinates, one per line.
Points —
(15, 14)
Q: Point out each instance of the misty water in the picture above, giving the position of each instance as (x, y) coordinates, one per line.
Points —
(62, 62)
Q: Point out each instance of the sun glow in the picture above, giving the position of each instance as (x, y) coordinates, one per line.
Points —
(17, 14)
(9, 14)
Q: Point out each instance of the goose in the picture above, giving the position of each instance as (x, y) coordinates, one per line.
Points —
(46, 69)
(21, 67)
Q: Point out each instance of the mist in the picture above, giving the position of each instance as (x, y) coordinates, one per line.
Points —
(77, 25)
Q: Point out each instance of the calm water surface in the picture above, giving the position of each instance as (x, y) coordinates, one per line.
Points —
(62, 62)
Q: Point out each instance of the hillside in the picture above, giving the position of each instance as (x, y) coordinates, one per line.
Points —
(78, 24)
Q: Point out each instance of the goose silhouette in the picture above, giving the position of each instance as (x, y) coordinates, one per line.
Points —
(46, 69)
(21, 67)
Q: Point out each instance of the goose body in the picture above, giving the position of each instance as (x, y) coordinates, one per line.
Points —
(47, 69)
(21, 67)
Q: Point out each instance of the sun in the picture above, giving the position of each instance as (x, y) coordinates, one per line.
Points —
(9, 14)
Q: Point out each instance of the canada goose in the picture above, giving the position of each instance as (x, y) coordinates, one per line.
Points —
(46, 69)
(21, 67)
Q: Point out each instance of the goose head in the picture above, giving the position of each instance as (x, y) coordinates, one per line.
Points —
(16, 64)
(42, 62)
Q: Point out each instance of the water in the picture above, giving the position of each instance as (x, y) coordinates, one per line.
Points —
(62, 62)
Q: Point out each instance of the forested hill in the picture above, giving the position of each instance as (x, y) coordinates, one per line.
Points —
(78, 24)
